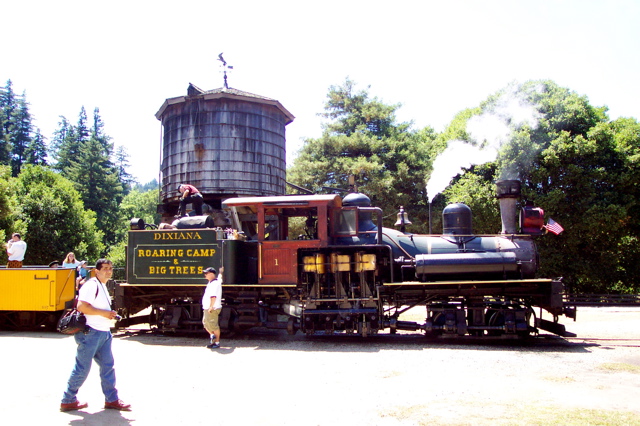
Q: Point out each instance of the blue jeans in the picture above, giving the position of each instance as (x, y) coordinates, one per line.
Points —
(92, 344)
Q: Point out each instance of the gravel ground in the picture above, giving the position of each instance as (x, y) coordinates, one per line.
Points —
(270, 378)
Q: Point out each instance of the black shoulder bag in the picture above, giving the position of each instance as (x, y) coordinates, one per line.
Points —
(73, 321)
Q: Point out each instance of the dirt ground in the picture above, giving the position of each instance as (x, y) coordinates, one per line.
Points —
(270, 378)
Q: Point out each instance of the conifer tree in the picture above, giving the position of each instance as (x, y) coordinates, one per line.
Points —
(36, 151)
(4, 141)
(7, 108)
(64, 147)
(82, 132)
(122, 163)
(20, 137)
(96, 179)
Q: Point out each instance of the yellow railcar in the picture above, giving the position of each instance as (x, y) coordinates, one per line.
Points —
(34, 297)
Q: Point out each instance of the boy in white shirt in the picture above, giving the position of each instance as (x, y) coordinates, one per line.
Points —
(212, 305)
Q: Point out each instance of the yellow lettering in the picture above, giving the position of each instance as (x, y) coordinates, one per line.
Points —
(177, 236)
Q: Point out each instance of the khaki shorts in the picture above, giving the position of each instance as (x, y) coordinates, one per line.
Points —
(210, 319)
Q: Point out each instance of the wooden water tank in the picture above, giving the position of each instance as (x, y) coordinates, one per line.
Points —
(225, 142)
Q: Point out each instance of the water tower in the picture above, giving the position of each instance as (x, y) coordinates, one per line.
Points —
(225, 142)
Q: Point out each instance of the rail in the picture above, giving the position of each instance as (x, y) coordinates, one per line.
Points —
(602, 299)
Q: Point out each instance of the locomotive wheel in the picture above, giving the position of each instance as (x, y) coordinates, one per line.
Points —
(439, 319)
(530, 324)
(494, 317)
(229, 318)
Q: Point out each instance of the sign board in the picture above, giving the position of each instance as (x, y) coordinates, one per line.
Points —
(172, 256)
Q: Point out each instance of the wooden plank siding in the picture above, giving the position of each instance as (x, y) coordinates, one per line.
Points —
(225, 144)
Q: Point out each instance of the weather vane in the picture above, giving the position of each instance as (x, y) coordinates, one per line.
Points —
(224, 68)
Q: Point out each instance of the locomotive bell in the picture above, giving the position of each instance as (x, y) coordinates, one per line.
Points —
(403, 219)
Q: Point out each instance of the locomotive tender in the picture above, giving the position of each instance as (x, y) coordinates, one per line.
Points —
(345, 272)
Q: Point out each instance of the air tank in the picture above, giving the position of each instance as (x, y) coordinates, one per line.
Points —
(225, 142)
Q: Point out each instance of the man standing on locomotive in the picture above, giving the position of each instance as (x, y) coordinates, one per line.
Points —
(190, 194)
(212, 305)
(95, 342)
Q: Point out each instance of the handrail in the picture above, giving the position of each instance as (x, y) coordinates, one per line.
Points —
(588, 299)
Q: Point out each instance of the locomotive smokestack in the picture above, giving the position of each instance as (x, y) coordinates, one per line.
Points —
(508, 192)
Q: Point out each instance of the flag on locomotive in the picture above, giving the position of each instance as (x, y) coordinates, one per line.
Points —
(553, 227)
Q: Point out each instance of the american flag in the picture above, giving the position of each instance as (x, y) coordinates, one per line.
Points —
(553, 226)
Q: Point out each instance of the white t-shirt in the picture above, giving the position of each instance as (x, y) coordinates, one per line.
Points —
(95, 293)
(214, 289)
(17, 250)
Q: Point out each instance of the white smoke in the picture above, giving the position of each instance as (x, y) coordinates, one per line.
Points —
(489, 132)
(450, 162)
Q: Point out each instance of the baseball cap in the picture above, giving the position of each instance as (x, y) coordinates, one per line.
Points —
(210, 270)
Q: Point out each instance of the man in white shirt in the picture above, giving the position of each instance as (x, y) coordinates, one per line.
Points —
(95, 342)
(16, 248)
(212, 305)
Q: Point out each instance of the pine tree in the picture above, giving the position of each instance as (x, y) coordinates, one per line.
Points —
(7, 108)
(82, 132)
(21, 136)
(36, 152)
(4, 141)
(122, 163)
(96, 179)
(64, 147)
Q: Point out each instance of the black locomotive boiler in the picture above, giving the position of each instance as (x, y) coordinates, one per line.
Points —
(345, 272)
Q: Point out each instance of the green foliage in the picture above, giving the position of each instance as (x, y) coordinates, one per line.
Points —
(96, 180)
(122, 164)
(475, 189)
(84, 156)
(589, 184)
(36, 151)
(6, 203)
(583, 170)
(390, 163)
(353, 112)
(7, 108)
(50, 216)
(16, 128)
(65, 146)
(135, 204)
(147, 186)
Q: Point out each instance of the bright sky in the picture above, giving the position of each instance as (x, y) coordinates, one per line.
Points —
(436, 58)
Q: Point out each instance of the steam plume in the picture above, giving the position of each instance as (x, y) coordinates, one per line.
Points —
(489, 134)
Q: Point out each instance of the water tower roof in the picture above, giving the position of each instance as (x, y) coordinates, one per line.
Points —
(194, 92)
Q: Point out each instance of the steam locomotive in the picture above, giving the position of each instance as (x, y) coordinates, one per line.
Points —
(345, 272)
